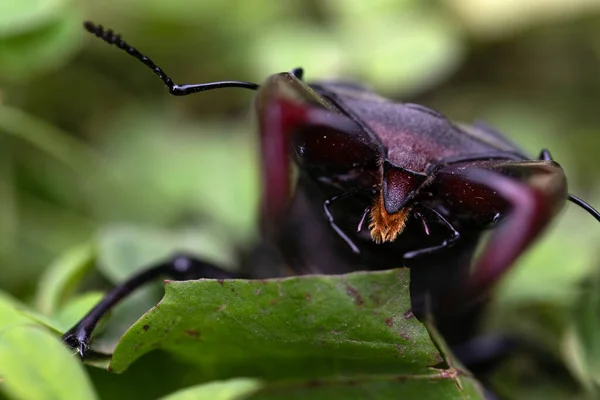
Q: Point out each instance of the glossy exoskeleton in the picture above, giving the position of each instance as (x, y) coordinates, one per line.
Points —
(380, 185)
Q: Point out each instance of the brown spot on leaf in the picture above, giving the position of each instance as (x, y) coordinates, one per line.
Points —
(389, 322)
(192, 332)
(408, 314)
(146, 327)
(400, 349)
(404, 336)
(307, 296)
(354, 293)
(222, 307)
(221, 282)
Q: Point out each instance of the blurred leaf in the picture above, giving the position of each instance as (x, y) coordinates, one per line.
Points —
(371, 387)
(233, 389)
(192, 170)
(26, 54)
(497, 18)
(13, 313)
(403, 52)
(581, 346)
(124, 250)
(56, 143)
(281, 47)
(390, 387)
(27, 374)
(398, 47)
(17, 17)
(60, 278)
(240, 13)
(225, 326)
(75, 309)
(8, 211)
(553, 268)
(10, 312)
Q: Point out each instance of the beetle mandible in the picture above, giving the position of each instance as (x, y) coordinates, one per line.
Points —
(380, 185)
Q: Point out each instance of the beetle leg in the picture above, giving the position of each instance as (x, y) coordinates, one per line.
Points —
(426, 229)
(446, 243)
(278, 119)
(332, 223)
(532, 204)
(298, 72)
(363, 218)
(179, 267)
(545, 155)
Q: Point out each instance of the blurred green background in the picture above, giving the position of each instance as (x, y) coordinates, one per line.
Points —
(90, 138)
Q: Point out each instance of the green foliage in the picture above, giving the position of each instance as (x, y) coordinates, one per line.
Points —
(301, 336)
(98, 166)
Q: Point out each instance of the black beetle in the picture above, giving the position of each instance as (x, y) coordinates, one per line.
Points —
(428, 188)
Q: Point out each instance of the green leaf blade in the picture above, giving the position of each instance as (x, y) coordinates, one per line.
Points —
(28, 373)
(302, 326)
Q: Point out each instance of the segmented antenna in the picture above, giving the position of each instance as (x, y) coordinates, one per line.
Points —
(178, 90)
(593, 212)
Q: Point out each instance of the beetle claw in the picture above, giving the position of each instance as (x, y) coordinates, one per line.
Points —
(78, 339)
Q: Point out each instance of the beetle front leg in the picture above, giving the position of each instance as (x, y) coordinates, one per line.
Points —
(532, 202)
(279, 117)
(180, 267)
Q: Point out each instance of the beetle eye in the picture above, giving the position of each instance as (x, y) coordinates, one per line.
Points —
(337, 151)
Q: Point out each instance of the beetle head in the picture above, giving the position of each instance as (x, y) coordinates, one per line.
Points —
(391, 208)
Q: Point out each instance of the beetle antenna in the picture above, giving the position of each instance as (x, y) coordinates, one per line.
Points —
(593, 212)
(177, 90)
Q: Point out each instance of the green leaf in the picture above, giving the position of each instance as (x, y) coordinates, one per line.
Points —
(126, 249)
(9, 220)
(310, 336)
(434, 386)
(75, 309)
(233, 389)
(20, 16)
(13, 313)
(499, 18)
(34, 364)
(226, 326)
(30, 53)
(49, 139)
(581, 345)
(61, 277)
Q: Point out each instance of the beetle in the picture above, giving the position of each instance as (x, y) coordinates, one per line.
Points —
(380, 185)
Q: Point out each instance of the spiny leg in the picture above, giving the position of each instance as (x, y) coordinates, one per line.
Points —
(532, 202)
(454, 235)
(180, 267)
(278, 118)
(331, 220)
